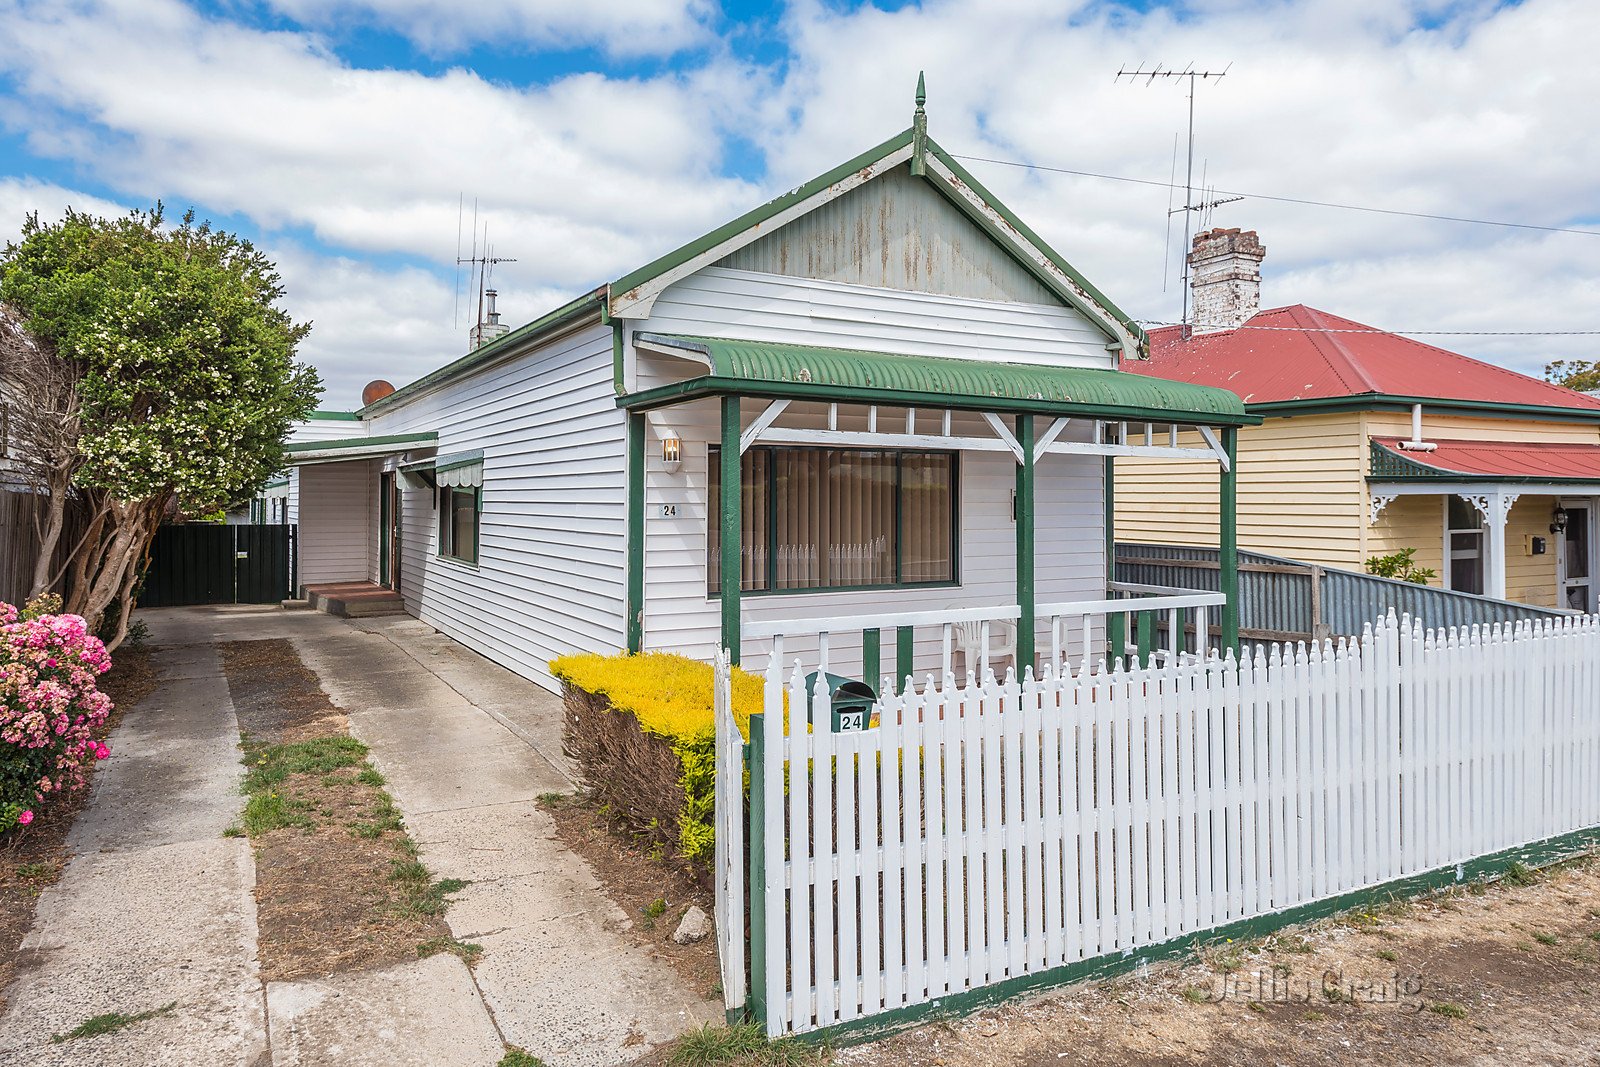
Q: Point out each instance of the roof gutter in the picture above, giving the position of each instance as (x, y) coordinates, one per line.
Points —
(580, 312)
(1392, 402)
(719, 385)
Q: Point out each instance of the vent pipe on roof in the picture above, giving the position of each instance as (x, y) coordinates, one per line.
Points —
(1417, 444)
(1225, 278)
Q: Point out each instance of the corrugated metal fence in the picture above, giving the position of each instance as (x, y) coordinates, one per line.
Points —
(1286, 600)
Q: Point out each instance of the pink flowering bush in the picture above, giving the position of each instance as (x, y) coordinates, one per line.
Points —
(50, 708)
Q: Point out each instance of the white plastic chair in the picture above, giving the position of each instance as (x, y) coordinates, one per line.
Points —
(1002, 644)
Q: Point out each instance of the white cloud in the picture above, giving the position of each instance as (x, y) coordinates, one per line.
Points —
(621, 27)
(573, 175)
(21, 196)
(589, 176)
(1326, 99)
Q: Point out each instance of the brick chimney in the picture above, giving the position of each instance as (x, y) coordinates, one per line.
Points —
(1224, 278)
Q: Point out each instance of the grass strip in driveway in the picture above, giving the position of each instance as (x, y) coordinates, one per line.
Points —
(339, 886)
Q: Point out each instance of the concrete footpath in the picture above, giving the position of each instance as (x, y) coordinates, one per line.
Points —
(466, 747)
(156, 906)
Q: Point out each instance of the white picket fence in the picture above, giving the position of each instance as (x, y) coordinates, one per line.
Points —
(988, 831)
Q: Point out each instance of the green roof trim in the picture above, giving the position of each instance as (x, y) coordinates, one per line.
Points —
(1033, 238)
(757, 368)
(457, 460)
(756, 216)
(334, 416)
(358, 444)
(1392, 402)
(590, 303)
(753, 220)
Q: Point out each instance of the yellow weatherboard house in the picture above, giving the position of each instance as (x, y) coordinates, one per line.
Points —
(1374, 443)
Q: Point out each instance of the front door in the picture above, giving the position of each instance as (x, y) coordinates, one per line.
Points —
(389, 531)
(1577, 557)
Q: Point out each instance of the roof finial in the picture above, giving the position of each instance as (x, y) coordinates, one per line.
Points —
(919, 130)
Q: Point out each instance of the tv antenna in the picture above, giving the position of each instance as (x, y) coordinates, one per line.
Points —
(1190, 207)
(483, 264)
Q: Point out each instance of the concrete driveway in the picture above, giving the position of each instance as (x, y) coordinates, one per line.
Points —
(466, 747)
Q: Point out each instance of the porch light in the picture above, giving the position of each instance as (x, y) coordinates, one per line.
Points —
(1558, 520)
(672, 452)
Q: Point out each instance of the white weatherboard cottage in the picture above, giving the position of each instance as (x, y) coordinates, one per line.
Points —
(919, 399)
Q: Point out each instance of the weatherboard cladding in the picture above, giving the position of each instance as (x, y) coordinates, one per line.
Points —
(720, 302)
(550, 574)
(896, 232)
(969, 380)
(1299, 353)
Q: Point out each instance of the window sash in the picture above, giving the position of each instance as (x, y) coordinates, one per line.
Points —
(460, 519)
(839, 518)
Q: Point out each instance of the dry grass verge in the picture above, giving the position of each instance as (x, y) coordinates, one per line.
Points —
(34, 858)
(338, 883)
(1485, 973)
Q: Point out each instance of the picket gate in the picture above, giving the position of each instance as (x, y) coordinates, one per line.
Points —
(989, 830)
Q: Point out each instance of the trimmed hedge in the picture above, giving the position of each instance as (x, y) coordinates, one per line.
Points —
(641, 730)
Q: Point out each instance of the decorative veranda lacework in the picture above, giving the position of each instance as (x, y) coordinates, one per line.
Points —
(987, 831)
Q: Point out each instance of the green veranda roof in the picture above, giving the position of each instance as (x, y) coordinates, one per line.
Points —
(760, 368)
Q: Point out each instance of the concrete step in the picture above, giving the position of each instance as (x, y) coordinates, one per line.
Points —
(355, 600)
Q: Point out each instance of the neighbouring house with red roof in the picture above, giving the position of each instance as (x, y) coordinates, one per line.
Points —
(1373, 443)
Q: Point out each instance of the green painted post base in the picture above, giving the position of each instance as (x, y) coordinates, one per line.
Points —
(1538, 854)
(1117, 635)
(757, 881)
(903, 650)
(872, 658)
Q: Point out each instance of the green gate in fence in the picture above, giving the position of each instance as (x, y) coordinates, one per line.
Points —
(206, 564)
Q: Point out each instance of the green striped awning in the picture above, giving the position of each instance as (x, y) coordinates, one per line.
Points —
(760, 368)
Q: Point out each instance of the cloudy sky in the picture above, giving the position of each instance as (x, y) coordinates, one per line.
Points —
(343, 135)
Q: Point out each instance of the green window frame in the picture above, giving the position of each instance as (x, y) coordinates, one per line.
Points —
(766, 474)
(460, 522)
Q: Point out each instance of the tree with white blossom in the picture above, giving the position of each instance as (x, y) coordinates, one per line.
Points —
(175, 383)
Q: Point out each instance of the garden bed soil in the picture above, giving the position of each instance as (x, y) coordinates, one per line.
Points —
(1498, 974)
(635, 882)
(34, 859)
(327, 900)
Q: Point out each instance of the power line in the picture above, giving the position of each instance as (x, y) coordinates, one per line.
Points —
(1285, 199)
(1399, 333)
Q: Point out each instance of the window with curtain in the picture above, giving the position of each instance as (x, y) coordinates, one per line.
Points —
(834, 518)
(458, 522)
(1464, 536)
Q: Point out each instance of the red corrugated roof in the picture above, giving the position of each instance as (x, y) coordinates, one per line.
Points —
(1289, 354)
(1559, 462)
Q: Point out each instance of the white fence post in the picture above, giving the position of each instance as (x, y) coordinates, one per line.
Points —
(729, 817)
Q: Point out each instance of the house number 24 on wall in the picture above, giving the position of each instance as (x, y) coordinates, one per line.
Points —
(669, 511)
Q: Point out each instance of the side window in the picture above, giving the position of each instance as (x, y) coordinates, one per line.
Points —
(459, 508)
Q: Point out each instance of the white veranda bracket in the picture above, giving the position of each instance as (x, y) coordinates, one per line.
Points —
(1380, 500)
(1494, 507)
(1048, 438)
(760, 423)
(1216, 446)
(1002, 431)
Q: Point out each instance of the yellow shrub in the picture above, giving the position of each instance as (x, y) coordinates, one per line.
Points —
(670, 698)
(670, 695)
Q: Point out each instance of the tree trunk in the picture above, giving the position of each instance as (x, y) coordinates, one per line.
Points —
(45, 574)
(135, 525)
